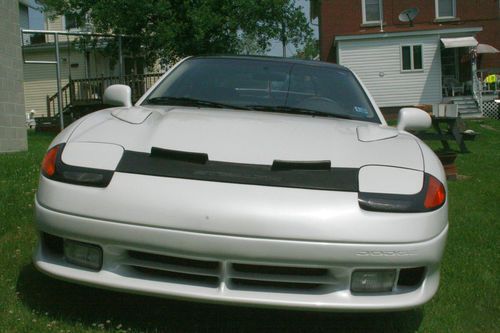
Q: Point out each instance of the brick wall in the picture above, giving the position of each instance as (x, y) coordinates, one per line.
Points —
(340, 17)
(12, 113)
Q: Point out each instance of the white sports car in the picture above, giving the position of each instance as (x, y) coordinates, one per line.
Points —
(247, 180)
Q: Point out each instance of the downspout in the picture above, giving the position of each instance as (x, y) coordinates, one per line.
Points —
(320, 14)
(381, 10)
(337, 51)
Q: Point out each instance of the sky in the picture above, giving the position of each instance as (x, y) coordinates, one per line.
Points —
(36, 18)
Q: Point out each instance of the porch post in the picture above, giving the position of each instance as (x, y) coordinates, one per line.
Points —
(476, 84)
(120, 57)
(58, 76)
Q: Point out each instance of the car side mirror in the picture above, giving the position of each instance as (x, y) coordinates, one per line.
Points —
(118, 95)
(413, 119)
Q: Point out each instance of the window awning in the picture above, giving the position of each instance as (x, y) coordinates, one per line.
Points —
(459, 42)
(485, 48)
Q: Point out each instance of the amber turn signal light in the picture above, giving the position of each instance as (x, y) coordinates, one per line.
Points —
(49, 162)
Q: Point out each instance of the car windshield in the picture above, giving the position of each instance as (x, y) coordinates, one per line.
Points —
(265, 85)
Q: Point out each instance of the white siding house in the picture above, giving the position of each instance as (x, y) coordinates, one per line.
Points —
(378, 60)
(40, 79)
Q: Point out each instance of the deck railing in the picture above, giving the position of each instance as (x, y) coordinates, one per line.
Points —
(491, 88)
(90, 91)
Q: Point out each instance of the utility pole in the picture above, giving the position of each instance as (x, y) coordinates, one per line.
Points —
(283, 37)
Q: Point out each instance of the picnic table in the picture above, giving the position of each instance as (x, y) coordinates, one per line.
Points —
(447, 129)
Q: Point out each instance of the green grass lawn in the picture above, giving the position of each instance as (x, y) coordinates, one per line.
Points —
(468, 299)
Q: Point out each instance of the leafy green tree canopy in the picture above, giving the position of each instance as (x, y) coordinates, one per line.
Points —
(309, 50)
(170, 29)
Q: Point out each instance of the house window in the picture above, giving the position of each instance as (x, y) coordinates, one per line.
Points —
(31, 17)
(445, 8)
(71, 22)
(411, 58)
(371, 11)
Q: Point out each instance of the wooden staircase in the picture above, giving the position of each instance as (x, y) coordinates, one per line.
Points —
(467, 106)
(83, 96)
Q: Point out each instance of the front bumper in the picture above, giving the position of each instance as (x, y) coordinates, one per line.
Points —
(329, 290)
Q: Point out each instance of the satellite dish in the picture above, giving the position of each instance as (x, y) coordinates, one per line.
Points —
(408, 15)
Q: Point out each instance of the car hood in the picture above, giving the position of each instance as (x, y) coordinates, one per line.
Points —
(252, 137)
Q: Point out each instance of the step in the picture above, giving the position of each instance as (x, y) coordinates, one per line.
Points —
(468, 110)
(466, 104)
(471, 115)
(460, 99)
(468, 98)
(464, 101)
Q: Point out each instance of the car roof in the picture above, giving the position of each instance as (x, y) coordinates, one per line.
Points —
(274, 59)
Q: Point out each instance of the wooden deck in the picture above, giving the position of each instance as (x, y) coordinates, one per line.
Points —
(89, 92)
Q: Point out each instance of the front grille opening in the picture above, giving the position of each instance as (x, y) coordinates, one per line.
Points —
(411, 277)
(274, 286)
(53, 244)
(176, 261)
(176, 277)
(280, 270)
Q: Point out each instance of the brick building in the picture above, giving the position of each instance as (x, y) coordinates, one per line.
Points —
(408, 64)
(12, 117)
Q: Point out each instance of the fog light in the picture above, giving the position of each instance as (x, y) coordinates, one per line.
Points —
(373, 280)
(83, 254)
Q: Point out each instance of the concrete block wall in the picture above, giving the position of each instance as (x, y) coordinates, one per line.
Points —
(13, 133)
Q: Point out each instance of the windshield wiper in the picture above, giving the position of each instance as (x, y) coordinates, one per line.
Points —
(187, 101)
(295, 110)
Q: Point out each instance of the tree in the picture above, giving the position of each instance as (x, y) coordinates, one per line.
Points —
(309, 51)
(249, 45)
(170, 29)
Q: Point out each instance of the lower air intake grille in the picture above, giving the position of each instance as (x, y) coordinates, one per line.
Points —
(175, 269)
(279, 278)
(273, 285)
(238, 276)
(162, 275)
(411, 277)
(280, 270)
(177, 261)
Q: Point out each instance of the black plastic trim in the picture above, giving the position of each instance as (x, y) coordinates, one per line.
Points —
(279, 165)
(338, 179)
(411, 277)
(179, 155)
(73, 174)
(52, 243)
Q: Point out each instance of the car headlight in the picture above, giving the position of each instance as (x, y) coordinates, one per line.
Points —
(431, 197)
(54, 168)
